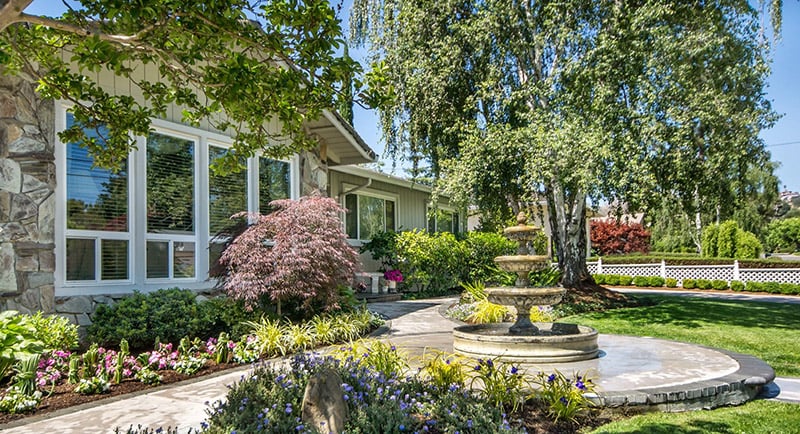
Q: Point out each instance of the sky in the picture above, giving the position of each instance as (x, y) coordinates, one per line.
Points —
(782, 140)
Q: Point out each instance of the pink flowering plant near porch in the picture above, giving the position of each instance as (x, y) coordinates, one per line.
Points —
(393, 276)
(299, 251)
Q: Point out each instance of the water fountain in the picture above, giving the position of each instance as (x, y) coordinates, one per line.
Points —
(525, 341)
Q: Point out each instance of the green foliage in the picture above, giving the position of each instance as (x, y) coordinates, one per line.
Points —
(689, 283)
(269, 335)
(16, 401)
(92, 386)
(625, 280)
(168, 315)
(482, 248)
(772, 287)
(473, 291)
(737, 285)
(710, 241)
(18, 340)
(728, 240)
(444, 370)
(382, 357)
(544, 278)
(501, 384)
(382, 247)
(641, 281)
(25, 374)
(747, 246)
(719, 284)
(656, 281)
(703, 284)
(433, 261)
(784, 234)
(754, 287)
(213, 64)
(565, 399)
(599, 278)
(486, 312)
(612, 279)
(671, 282)
(55, 332)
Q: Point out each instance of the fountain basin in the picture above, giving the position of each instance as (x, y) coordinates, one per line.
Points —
(554, 343)
(526, 297)
(522, 263)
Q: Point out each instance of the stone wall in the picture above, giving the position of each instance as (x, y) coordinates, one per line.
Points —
(27, 199)
(313, 173)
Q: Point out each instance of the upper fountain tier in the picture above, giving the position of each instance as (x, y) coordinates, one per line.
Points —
(526, 259)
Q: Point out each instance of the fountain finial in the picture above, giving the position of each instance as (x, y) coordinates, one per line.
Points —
(522, 219)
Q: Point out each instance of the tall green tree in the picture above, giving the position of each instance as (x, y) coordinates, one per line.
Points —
(258, 62)
(517, 101)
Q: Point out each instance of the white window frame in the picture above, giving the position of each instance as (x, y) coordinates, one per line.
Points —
(137, 235)
(446, 208)
(370, 193)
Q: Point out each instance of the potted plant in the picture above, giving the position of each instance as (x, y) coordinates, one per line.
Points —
(393, 277)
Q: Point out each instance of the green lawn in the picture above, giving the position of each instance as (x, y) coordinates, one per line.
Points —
(769, 331)
(757, 417)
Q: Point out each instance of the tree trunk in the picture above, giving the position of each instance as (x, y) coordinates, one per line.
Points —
(568, 228)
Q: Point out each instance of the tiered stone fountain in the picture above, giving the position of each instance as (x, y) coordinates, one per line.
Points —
(525, 341)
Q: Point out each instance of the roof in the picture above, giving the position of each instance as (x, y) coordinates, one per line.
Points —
(345, 146)
(382, 177)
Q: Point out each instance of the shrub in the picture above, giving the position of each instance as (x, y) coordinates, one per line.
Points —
(307, 259)
(755, 287)
(788, 288)
(481, 249)
(641, 281)
(671, 282)
(383, 248)
(614, 238)
(599, 278)
(747, 246)
(656, 281)
(612, 279)
(430, 261)
(772, 287)
(689, 283)
(55, 332)
(166, 314)
(501, 384)
(784, 235)
(486, 312)
(728, 240)
(737, 285)
(564, 398)
(719, 284)
(625, 280)
(709, 241)
(703, 284)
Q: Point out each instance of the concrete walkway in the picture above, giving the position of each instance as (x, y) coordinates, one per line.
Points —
(414, 326)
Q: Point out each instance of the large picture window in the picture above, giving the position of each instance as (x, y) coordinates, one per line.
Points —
(97, 230)
(368, 215)
(153, 221)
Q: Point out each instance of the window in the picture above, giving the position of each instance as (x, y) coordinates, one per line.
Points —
(227, 194)
(273, 182)
(441, 220)
(97, 233)
(368, 215)
(152, 221)
(170, 207)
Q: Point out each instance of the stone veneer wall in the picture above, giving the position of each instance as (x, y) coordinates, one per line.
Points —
(27, 199)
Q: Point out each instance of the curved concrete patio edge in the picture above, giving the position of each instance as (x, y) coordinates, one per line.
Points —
(733, 389)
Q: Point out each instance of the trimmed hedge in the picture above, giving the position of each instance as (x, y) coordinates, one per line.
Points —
(719, 284)
(737, 285)
(689, 283)
(696, 260)
(657, 281)
(625, 280)
(671, 282)
(641, 281)
(705, 284)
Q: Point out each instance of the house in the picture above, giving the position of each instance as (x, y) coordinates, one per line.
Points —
(378, 202)
(73, 236)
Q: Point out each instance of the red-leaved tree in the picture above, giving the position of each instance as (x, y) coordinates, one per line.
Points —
(610, 238)
(298, 252)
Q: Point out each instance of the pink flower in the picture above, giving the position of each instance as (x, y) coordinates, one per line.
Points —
(393, 275)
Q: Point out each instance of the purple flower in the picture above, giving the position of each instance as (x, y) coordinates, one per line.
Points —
(563, 400)
(551, 378)
(514, 369)
(580, 385)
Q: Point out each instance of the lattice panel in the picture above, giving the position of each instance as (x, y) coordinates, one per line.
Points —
(633, 270)
(770, 275)
(592, 266)
(721, 272)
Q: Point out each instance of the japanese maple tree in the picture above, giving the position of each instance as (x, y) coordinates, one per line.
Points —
(614, 237)
(298, 252)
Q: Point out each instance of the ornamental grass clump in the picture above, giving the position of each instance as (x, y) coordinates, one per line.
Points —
(500, 384)
(307, 257)
(564, 397)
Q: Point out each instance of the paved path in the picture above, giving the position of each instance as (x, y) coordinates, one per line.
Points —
(414, 326)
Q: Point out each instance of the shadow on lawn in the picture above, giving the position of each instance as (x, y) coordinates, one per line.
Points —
(693, 312)
(698, 427)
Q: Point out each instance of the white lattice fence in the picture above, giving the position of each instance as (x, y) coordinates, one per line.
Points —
(633, 270)
(783, 275)
(592, 266)
(709, 272)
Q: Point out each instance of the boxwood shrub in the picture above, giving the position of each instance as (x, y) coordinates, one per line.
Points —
(737, 285)
(754, 287)
(719, 284)
(599, 278)
(612, 279)
(657, 281)
(689, 283)
(772, 287)
(703, 284)
(641, 281)
(671, 282)
(625, 280)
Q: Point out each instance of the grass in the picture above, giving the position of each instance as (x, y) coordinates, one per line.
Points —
(757, 417)
(769, 331)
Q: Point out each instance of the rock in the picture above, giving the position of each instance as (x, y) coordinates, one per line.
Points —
(38, 279)
(23, 207)
(26, 145)
(324, 406)
(79, 304)
(8, 277)
(10, 176)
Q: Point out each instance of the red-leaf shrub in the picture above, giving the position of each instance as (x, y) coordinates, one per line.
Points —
(610, 238)
(297, 252)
